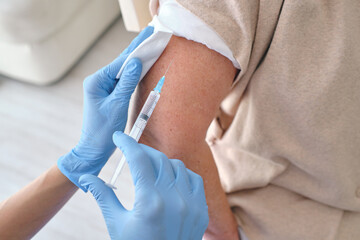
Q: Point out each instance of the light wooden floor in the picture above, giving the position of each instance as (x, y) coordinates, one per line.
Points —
(39, 124)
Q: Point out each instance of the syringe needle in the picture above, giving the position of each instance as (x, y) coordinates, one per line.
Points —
(168, 67)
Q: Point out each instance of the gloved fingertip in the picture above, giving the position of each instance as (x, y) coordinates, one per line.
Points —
(119, 139)
(84, 182)
(84, 178)
(84, 185)
(148, 30)
(116, 136)
(87, 179)
(134, 66)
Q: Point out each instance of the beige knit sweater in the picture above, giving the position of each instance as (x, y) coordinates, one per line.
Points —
(290, 159)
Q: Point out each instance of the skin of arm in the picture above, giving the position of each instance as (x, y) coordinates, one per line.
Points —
(27, 211)
(196, 83)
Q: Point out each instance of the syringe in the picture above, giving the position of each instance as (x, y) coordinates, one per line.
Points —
(140, 123)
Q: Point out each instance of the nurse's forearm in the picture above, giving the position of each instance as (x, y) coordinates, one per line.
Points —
(27, 211)
(195, 84)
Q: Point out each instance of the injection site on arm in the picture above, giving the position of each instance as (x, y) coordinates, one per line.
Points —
(165, 25)
(140, 123)
(196, 84)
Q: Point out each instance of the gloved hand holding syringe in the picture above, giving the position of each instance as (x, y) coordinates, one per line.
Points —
(140, 123)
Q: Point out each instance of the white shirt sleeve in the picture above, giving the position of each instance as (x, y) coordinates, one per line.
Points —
(166, 24)
(185, 24)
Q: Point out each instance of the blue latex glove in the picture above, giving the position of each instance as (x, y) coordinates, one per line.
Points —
(169, 199)
(106, 102)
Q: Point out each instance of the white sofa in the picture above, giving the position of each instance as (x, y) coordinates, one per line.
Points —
(40, 40)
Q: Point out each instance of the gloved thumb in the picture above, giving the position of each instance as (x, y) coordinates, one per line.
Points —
(104, 196)
(128, 80)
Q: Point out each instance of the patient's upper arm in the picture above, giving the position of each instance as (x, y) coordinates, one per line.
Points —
(197, 81)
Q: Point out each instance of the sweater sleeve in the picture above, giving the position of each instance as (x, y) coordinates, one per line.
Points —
(246, 26)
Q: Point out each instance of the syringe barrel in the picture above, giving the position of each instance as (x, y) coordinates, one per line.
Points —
(144, 115)
(138, 129)
(150, 104)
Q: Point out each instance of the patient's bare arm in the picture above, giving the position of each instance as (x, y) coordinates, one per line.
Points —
(197, 81)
